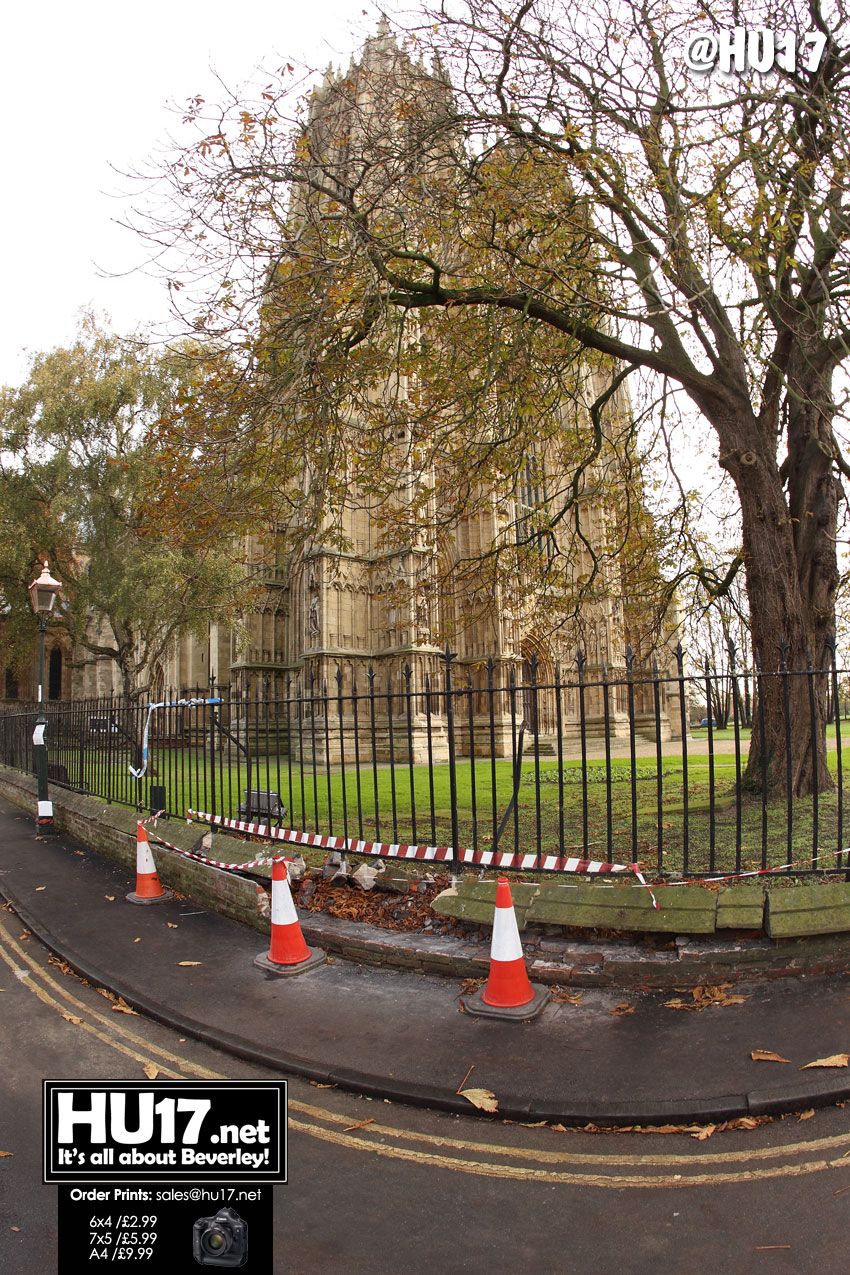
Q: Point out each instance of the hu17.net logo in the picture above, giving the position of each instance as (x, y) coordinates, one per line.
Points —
(758, 49)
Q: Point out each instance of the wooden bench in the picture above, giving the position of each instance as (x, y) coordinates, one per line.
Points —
(262, 804)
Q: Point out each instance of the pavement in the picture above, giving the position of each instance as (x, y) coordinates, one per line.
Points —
(619, 1057)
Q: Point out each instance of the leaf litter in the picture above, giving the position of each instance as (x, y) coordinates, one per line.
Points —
(120, 1006)
(569, 995)
(704, 997)
(700, 1132)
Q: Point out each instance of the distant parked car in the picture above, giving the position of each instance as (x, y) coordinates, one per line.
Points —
(704, 722)
(103, 725)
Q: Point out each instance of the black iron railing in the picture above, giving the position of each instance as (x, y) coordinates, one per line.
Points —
(624, 765)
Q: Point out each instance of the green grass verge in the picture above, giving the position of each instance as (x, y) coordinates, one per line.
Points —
(416, 806)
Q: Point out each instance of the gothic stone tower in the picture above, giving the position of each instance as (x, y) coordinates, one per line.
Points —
(352, 619)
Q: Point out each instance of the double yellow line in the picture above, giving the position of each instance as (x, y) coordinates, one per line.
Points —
(105, 1027)
(463, 1155)
(533, 1165)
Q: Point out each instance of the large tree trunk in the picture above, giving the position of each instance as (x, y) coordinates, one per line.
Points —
(789, 521)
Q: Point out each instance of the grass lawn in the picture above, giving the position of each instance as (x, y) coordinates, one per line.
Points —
(626, 819)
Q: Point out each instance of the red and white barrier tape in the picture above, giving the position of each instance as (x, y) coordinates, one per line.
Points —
(762, 872)
(443, 854)
(430, 854)
(202, 858)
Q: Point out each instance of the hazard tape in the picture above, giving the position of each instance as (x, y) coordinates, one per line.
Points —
(444, 854)
(174, 703)
(761, 872)
(387, 849)
(430, 854)
(202, 858)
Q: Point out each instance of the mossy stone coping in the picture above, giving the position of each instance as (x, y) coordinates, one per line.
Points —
(788, 912)
(810, 909)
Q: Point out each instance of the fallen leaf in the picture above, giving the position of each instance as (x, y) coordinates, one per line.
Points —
(40, 887)
(806, 1115)
(702, 997)
(190, 962)
(121, 1007)
(566, 994)
(622, 1009)
(171, 925)
(137, 940)
(151, 1070)
(705, 1132)
(111, 897)
(71, 1018)
(767, 1055)
(834, 1060)
(748, 1122)
(482, 1098)
(5, 1153)
(360, 1124)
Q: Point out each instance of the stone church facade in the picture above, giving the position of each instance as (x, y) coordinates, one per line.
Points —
(366, 616)
(343, 617)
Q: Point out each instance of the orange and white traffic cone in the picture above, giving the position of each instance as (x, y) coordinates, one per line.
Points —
(148, 886)
(508, 992)
(288, 953)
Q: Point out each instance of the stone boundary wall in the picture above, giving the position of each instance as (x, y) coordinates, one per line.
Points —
(111, 830)
(706, 954)
(788, 911)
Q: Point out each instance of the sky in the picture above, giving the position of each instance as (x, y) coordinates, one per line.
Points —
(88, 92)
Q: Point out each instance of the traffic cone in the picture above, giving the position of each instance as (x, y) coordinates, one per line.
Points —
(508, 992)
(288, 953)
(148, 887)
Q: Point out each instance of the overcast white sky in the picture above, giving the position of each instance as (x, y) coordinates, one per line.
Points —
(85, 87)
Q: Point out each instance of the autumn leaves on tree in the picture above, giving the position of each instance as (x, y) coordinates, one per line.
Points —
(429, 287)
(78, 478)
(573, 203)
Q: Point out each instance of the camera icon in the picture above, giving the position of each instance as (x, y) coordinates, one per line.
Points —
(221, 1240)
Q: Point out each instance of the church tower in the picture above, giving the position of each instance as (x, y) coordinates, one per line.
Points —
(377, 618)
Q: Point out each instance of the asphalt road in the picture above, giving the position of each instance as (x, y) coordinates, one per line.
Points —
(383, 1188)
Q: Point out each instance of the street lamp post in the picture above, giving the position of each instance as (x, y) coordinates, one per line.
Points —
(43, 594)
